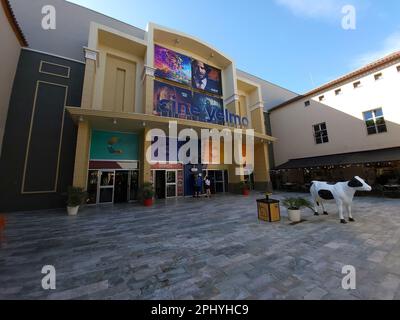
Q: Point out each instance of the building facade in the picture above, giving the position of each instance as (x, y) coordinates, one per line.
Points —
(86, 95)
(351, 126)
(132, 86)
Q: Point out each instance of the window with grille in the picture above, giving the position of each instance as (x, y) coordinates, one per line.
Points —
(321, 133)
(375, 121)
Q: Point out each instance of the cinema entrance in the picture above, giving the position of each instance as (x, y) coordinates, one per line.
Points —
(219, 180)
(168, 183)
(113, 186)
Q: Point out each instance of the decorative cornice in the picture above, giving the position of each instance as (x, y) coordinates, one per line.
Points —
(91, 54)
(148, 71)
(232, 98)
(257, 105)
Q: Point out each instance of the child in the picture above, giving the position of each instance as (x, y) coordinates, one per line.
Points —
(207, 183)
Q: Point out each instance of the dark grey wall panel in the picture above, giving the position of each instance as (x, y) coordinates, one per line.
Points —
(45, 136)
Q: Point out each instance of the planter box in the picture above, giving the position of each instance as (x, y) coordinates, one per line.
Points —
(269, 210)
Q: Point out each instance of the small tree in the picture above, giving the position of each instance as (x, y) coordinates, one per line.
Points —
(296, 203)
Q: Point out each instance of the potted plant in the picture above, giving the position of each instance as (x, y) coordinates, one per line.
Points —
(148, 194)
(294, 206)
(76, 197)
(244, 186)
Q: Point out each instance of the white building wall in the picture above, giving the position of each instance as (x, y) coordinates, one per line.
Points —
(343, 114)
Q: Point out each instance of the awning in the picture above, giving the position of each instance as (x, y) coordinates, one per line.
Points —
(113, 165)
(362, 157)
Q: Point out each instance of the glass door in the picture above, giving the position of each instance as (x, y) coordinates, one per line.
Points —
(93, 186)
(133, 185)
(107, 182)
(171, 185)
(219, 182)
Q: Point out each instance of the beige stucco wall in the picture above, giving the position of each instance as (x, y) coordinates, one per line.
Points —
(9, 52)
(293, 124)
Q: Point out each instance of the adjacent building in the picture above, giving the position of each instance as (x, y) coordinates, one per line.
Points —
(350, 126)
(12, 39)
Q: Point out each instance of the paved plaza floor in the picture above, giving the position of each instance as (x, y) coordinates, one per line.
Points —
(201, 249)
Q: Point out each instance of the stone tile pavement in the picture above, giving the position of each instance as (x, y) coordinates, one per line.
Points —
(201, 249)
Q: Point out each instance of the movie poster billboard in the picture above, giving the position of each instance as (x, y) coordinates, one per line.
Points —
(174, 102)
(172, 66)
(208, 109)
(171, 101)
(205, 77)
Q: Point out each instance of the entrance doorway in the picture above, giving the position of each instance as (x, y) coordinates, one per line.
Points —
(219, 180)
(113, 186)
(160, 184)
(166, 183)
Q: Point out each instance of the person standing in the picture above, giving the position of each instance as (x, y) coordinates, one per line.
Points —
(207, 183)
(199, 186)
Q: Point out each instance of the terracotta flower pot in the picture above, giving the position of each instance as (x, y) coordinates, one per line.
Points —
(148, 202)
(246, 192)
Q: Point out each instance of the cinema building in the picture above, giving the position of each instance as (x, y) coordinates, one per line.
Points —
(348, 127)
(86, 95)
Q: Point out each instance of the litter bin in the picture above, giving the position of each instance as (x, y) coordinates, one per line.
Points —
(268, 209)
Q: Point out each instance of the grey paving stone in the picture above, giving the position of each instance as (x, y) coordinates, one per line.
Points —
(205, 249)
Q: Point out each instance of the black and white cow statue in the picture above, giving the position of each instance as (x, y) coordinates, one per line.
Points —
(342, 193)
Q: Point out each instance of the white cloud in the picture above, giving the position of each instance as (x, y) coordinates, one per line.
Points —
(389, 45)
(313, 8)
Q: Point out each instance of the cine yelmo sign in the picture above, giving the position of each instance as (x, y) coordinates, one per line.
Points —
(176, 102)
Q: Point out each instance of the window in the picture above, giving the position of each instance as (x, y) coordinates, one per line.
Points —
(307, 103)
(321, 133)
(338, 91)
(321, 98)
(378, 76)
(357, 84)
(375, 121)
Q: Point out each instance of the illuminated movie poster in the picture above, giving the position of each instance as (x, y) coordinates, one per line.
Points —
(205, 77)
(172, 65)
(209, 109)
(171, 101)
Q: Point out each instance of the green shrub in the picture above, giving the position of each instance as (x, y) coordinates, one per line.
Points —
(76, 197)
(244, 185)
(296, 203)
(148, 190)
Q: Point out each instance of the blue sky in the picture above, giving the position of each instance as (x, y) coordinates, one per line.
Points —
(298, 44)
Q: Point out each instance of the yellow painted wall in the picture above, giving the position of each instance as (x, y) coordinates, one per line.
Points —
(119, 85)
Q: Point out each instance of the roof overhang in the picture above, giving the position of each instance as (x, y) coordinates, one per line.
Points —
(122, 121)
(344, 159)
